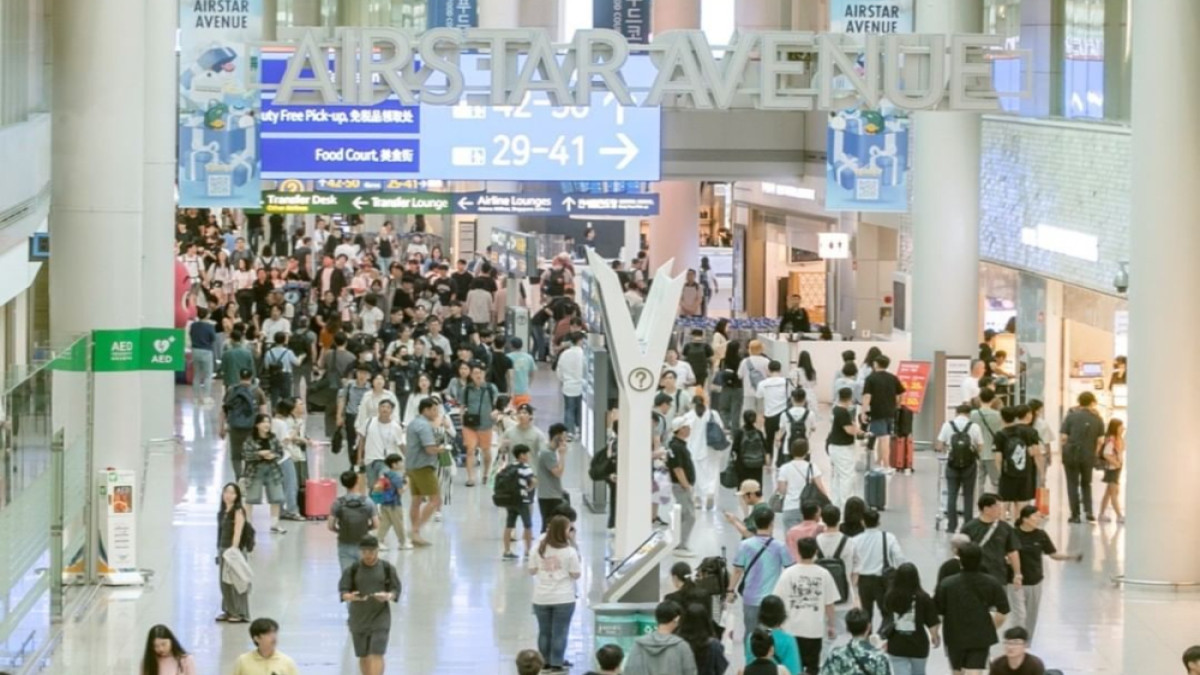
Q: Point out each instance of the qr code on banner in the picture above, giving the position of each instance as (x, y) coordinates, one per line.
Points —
(866, 189)
(468, 157)
(220, 185)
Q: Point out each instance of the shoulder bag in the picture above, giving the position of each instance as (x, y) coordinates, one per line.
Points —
(742, 583)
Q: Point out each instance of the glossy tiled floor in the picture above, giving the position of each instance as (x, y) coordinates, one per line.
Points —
(465, 611)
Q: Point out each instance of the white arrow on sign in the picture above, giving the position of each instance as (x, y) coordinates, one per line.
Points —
(611, 98)
(628, 149)
(359, 203)
(464, 203)
(569, 202)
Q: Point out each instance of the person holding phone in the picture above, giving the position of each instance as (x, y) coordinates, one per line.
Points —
(368, 587)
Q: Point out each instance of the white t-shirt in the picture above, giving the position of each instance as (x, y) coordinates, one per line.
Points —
(372, 319)
(828, 543)
(684, 375)
(381, 440)
(798, 414)
(282, 431)
(960, 422)
(806, 590)
(553, 583)
(969, 388)
(795, 473)
(773, 392)
(272, 326)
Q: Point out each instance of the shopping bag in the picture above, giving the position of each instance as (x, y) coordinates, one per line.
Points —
(1042, 499)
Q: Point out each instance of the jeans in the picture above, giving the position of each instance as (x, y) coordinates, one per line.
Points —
(554, 625)
(903, 665)
(572, 412)
(1024, 603)
(280, 390)
(731, 408)
(687, 513)
(749, 618)
(845, 483)
(1079, 487)
(959, 480)
(541, 345)
(791, 519)
(202, 373)
(291, 486)
(347, 555)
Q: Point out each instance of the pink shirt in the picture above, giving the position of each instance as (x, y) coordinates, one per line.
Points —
(168, 665)
(808, 528)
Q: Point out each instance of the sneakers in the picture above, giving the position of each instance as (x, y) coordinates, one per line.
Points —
(406, 545)
(417, 541)
(437, 516)
(508, 555)
(684, 552)
(277, 529)
(1091, 518)
(889, 471)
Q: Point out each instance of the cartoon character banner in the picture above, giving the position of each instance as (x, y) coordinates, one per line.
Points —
(866, 166)
(218, 103)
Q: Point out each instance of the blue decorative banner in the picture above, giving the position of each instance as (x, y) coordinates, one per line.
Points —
(630, 18)
(452, 14)
(218, 104)
(866, 167)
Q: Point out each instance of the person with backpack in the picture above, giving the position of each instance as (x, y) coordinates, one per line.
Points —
(352, 516)
(1021, 458)
(797, 423)
(234, 532)
(916, 623)
(243, 402)
(809, 593)
(706, 444)
(369, 586)
(513, 491)
(749, 449)
(836, 552)
(387, 493)
(772, 396)
(798, 485)
(278, 364)
(961, 440)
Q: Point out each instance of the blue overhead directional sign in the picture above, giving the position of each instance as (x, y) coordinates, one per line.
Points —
(527, 142)
(551, 204)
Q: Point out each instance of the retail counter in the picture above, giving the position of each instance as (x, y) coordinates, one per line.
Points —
(827, 356)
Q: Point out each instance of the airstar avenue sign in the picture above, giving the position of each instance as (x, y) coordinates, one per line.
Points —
(770, 70)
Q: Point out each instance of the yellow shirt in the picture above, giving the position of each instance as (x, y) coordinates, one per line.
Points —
(253, 663)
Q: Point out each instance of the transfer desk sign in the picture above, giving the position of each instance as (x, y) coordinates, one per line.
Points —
(218, 103)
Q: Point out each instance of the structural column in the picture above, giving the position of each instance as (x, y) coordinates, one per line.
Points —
(496, 14)
(96, 213)
(1160, 492)
(158, 238)
(945, 212)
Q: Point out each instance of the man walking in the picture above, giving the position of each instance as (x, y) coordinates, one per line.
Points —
(809, 593)
(683, 478)
(881, 397)
(243, 402)
(973, 605)
(1082, 434)
(662, 652)
(570, 372)
(772, 395)
(997, 540)
(521, 373)
(876, 553)
(368, 587)
(265, 658)
(352, 517)
(760, 561)
(961, 439)
(423, 450)
(202, 335)
(551, 464)
(348, 401)
(987, 418)
(858, 656)
(381, 437)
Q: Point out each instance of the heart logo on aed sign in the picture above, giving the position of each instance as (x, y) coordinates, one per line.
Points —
(161, 346)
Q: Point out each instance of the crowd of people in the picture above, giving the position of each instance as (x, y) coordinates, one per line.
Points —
(423, 391)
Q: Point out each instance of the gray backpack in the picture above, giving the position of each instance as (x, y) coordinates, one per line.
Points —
(354, 519)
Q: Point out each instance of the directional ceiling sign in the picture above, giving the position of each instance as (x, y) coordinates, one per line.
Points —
(532, 141)
(353, 202)
(477, 203)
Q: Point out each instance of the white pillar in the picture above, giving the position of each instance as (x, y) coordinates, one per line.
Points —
(158, 241)
(96, 213)
(945, 208)
(1162, 300)
(675, 232)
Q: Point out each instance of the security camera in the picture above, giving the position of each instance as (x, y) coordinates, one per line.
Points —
(1121, 279)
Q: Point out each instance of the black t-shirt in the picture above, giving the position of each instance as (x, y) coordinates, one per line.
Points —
(679, 457)
(1083, 428)
(1034, 545)
(910, 637)
(402, 301)
(1008, 440)
(966, 601)
(498, 371)
(842, 418)
(947, 570)
(1000, 544)
(698, 355)
(883, 388)
(462, 284)
(1032, 665)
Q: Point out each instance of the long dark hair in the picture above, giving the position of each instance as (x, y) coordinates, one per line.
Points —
(805, 363)
(259, 419)
(150, 658)
(733, 355)
(237, 502)
(872, 354)
(722, 327)
(695, 628)
(904, 589)
(1114, 428)
(852, 514)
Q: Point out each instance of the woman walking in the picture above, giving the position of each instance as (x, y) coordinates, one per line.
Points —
(804, 376)
(262, 453)
(727, 383)
(164, 655)
(1035, 544)
(915, 623)
(793, 478)
(1112, 452)
(555, 565)
(695, 627)
(232, 520)
(749, 449)
(708, 460)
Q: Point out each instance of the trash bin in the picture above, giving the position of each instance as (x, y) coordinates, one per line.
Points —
(622, 623)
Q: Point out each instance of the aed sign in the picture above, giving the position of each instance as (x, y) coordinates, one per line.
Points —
(769, 70)
(137, 349)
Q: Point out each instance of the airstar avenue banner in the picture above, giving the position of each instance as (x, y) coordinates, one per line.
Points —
(218, 104)
(867, 146)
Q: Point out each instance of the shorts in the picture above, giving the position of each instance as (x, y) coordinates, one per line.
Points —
(523, 512)
(967, 659)
(371, 643)
(254, 488)
(423, 482)
(481, 438)
(882, 427)
(1112, 476)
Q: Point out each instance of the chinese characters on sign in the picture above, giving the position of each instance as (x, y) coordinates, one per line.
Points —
(914, 375)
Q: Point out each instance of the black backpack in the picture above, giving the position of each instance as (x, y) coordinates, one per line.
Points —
(712, 576)
(836, 568)
(387, 578)
(554, 285)
(754, 450)
(240, 407)
(601, 466)
(507, 492)
(962, 450)
(300, 343)
(797, 427)
(274, 368)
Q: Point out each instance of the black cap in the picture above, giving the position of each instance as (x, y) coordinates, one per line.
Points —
(369, 541)
(525, 407)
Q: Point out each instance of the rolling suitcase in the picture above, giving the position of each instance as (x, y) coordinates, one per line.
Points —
(876, 487)
(902, 453)
(319, 494)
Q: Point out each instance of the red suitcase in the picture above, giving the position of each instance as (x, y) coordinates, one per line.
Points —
(319, 494)
(902, 453)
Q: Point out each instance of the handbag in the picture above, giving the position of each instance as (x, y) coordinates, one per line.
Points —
(811, 492)
(776, 502)
(470, 420)
(729, 475)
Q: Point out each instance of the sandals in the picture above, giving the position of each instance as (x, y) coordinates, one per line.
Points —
(222, 618)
